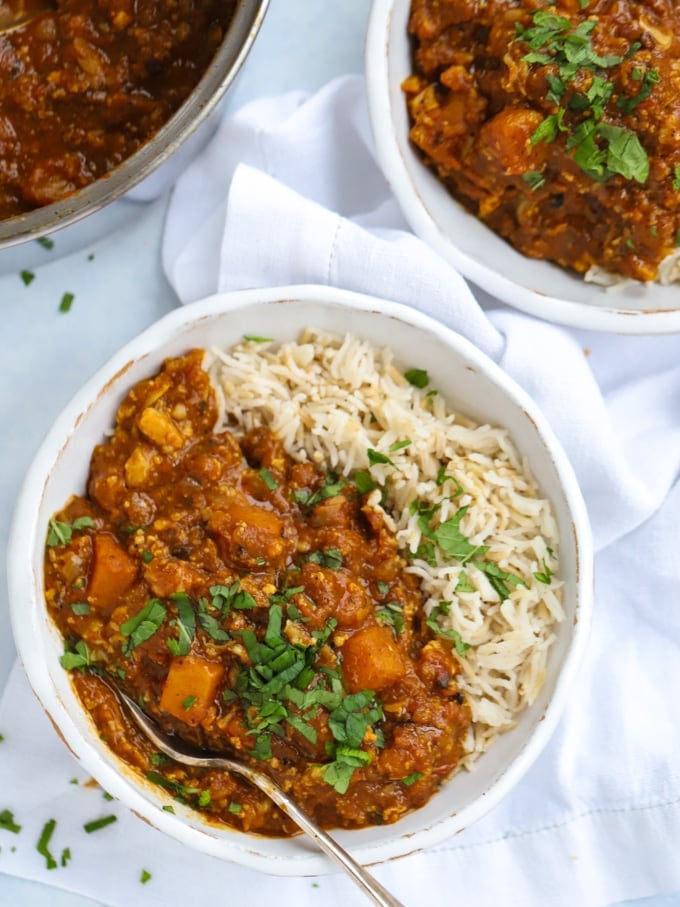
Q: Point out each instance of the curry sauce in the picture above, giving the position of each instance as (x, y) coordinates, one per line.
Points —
(557, 124)
(255, 606)
(85, 85)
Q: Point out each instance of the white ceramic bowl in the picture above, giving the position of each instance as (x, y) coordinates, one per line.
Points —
(471, 382)
(537, 287)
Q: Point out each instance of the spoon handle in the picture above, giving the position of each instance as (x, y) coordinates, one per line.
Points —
(368, 884)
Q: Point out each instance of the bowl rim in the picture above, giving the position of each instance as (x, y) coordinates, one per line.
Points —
(206, 95)
(396, 171)
(22, 581)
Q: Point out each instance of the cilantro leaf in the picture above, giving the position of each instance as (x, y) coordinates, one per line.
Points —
(77, 658)
(499, 578)
(43, 843)
(328, 557)
(374, 456)
(452, 541)
(433, 623)
(210, 624)
(417, 377)
(60, 533)
(268, 479)
(392, 614)
(7, 822)
(143, 625)
(364, 481)
(339, 772)
(399, 445)
(185, 623)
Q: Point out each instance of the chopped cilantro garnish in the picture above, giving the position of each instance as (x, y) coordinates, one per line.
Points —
(96, 824)
(268, 479)
(253, 338)
(44, 841)
(463, 584)
(418, 377)
(188, 702)
(27, 277)
(224, 598)
(599, 148)
(181, 791)
(499, 578)
(76, 658)
(399, 445)
(442, 477)
(332, 486)
(411, 779)
(433, 623)
(80, 609)
(45, 242)
(534, 179)
(545, 576)
(185, 623)
(648, 79)
(451, 540)
(210, 624)
(392, 615)
(60, 533)
(364, 481)
(145, 876)
(329, 557)
(146, 556)
(65, 856)
(143, 625)
(235, 808)
(66, 302)
(7, 822)
(374, 456)
(339, 772)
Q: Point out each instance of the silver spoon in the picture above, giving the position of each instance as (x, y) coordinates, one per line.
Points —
(186, 755)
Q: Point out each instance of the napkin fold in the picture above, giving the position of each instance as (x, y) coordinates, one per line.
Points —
(288, 191)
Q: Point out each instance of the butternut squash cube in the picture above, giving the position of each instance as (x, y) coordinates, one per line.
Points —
(190, 688)
(371, 660)
(113, 572)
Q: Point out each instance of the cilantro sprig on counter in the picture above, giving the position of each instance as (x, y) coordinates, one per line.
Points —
(601, 149)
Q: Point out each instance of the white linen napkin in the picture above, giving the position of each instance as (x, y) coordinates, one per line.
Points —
(286, 192)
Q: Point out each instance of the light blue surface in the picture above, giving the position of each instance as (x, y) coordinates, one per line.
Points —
(122, 290)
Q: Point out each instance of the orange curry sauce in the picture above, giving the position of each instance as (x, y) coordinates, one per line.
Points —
(255, 606)
(557, 124)
(82, 87)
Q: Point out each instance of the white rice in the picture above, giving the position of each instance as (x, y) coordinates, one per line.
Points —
(669, 272)
(330, 399)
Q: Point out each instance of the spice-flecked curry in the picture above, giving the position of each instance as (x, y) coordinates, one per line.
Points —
(87, 83)
(254, 605)
(557, 124)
